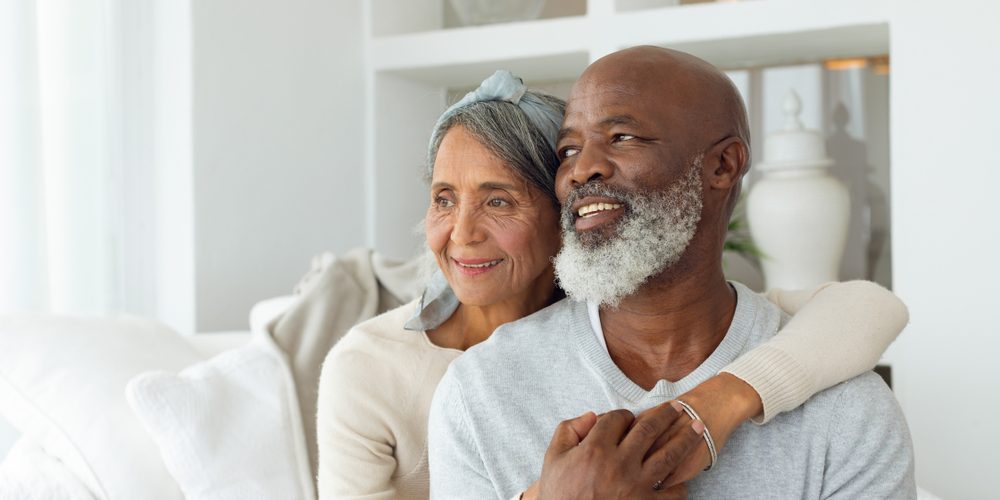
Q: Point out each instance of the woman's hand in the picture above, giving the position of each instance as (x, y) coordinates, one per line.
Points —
(723, 402)
(620, 458)
(617, 455)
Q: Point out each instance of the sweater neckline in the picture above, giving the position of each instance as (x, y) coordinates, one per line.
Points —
(732, 345)
(425, 339)
(431, 345)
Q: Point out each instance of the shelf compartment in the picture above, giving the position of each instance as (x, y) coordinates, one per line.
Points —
(759, 33)
(730, 35)
(464, 56)
(395, 17)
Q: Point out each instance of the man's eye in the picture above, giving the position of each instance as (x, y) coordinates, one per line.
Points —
(624, 137)
(442, 202)
(498, 203)
(567, 152)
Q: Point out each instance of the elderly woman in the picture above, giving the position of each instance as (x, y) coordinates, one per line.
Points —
(492, 224)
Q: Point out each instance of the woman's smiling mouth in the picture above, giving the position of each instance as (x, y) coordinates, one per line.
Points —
(475, 267)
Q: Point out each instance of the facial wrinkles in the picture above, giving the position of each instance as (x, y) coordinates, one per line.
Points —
(515, 224)
(650, 237)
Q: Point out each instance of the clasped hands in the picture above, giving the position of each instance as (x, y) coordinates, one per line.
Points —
(620, 455)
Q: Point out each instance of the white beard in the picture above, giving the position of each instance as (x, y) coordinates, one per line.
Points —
(651, 236)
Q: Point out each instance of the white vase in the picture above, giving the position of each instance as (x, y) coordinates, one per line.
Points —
(798, 213)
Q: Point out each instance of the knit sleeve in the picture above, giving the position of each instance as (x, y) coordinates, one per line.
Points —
(356, 448)
(838, 331)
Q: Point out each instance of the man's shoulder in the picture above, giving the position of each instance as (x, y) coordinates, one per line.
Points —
(755, 317)
(856, 415)
(519, 347)
(864, 393)
(558, 314)
(849, 441)
(869, 449)
(541, 330)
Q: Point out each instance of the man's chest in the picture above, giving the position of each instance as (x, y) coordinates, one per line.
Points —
(783, 459)
(522, 431)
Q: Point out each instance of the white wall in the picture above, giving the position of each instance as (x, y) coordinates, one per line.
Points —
(174, 276)
(946, 233)
(401, 189)
(278, 146)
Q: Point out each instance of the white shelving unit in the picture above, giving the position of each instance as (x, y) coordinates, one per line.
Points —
(414, 58)
(943, 109)
(730, 35)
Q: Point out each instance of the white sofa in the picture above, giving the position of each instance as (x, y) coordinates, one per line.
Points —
(207, 344)
(69, 430)
(125, 408)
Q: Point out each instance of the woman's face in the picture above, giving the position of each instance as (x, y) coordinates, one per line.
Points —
(493, 234)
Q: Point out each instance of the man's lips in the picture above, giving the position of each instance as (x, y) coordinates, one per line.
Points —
(591, 212)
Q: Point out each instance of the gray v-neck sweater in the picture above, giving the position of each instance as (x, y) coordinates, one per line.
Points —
(496, 408)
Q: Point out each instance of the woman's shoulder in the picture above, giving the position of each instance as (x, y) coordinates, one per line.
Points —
(371, 349)
(386, 328)
(381, 342)
(380, 353)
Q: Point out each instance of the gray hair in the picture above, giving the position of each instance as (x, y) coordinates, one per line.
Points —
(505, 129)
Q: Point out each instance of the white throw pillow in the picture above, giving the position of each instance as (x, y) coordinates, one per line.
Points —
(62, 384)
(229, 427)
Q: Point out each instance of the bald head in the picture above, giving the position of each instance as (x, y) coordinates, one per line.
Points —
(696, 93)
(651, 121)
(686, 107)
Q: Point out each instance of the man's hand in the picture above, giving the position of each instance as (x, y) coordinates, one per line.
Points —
(617, 455)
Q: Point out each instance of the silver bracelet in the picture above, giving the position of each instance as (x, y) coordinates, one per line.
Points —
(707, 435)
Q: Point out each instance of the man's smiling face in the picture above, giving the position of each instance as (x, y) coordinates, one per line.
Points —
(630, 186)
(628, 128)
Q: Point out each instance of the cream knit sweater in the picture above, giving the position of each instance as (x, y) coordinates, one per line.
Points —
(378, 381)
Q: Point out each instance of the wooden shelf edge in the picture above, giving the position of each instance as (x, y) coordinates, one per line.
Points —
(731, 35)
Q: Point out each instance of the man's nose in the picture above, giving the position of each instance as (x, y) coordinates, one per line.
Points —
(592, 163)
(468, 228)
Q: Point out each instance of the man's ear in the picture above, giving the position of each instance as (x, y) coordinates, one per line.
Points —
(728, 159)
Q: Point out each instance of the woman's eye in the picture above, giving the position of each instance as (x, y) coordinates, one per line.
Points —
(442, 202)
(498, 203)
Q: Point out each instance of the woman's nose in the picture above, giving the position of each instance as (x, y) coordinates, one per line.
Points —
(468, 229)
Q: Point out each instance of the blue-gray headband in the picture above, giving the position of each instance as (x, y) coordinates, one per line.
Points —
(438, 301)
(505, 86)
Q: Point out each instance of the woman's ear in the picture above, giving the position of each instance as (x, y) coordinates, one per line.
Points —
(728, 161)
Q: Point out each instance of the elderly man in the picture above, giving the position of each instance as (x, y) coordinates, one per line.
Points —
(653, 148)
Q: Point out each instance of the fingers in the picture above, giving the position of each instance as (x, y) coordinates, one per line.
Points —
(610, 427)
(570, 432)
(682, 421)
(675, 492)
(683, 440)
(648, 428)
(583, 424)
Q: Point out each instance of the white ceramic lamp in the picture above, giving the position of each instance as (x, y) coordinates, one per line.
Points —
(798, 213)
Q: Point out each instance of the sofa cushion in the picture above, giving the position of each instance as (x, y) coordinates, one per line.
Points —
(229, 427)
(28, 473)
(62, 384)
